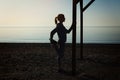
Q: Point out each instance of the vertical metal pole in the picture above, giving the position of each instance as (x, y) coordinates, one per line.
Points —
(82, 9)
(74, 39)
(81, 31)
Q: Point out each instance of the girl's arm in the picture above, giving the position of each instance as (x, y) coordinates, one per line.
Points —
(68, 31)
(52, 33)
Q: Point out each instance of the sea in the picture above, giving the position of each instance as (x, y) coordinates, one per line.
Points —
(41, 34)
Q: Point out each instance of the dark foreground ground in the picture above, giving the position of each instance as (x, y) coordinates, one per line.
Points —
(38, 62)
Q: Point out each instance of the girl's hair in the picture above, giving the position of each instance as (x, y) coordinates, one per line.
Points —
(59, 18)
(55, 20)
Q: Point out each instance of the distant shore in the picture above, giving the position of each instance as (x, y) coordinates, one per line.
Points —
(67, 44)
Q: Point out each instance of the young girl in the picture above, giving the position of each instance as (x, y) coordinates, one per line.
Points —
(60, 45)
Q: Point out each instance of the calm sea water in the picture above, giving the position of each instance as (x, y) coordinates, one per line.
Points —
(40, 34)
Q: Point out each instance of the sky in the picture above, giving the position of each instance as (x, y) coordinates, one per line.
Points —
(32, 20)
(103, 13)
(43, 12)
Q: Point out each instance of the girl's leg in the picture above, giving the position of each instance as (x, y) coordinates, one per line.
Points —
(61, 55)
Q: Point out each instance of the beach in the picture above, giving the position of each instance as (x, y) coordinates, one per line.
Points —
(37, 61)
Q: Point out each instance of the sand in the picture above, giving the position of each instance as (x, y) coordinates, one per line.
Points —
(37, 61)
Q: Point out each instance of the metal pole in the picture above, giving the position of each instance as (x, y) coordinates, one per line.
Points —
(74, 39)
(82, 9)
(81, 31)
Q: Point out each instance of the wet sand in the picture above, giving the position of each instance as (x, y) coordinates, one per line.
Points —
(37, 61)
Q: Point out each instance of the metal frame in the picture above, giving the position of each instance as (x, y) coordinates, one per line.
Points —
(82, 9)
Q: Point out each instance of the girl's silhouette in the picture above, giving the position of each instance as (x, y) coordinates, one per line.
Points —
(60, 44)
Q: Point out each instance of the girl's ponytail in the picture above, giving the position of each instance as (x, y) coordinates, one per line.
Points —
(55, 20)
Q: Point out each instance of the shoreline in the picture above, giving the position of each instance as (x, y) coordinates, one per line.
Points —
(67, 44)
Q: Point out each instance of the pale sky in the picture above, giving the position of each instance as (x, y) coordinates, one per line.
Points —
(32, 12)
(24, 20)
(42, 12)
